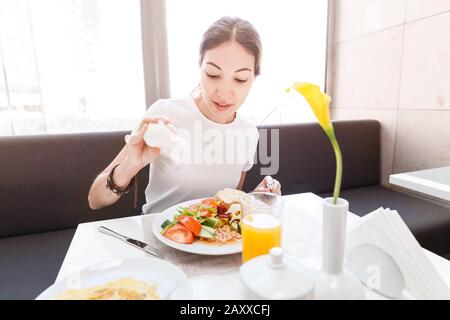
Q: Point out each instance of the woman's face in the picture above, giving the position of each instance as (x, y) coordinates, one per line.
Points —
(227, 74)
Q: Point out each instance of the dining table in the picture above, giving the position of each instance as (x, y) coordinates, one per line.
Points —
(432, 183)
(301, 240)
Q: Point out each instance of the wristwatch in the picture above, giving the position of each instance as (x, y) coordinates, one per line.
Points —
(113, 187)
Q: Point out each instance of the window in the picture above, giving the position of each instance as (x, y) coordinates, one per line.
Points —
(70, 66)
(293, 35)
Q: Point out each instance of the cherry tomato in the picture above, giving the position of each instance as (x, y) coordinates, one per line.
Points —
(180, 234)
(191, 224)
(205, 213)
(193, 208)
(210, 202)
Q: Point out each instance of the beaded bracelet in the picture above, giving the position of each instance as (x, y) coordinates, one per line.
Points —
(114, 188)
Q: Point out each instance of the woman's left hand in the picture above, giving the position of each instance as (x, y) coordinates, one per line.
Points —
(268, 184)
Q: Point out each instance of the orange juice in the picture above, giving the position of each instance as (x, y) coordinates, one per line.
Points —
(260, 233)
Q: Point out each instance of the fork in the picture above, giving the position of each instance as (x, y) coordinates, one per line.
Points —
(271, 184)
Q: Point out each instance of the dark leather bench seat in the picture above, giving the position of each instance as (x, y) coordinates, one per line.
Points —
(30, 263)
(43, 197)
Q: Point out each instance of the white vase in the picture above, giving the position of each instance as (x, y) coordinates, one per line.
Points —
(335, 282)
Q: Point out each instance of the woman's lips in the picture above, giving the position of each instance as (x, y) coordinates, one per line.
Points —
(221, 107)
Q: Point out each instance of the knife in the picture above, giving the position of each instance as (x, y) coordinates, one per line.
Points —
(133, 242)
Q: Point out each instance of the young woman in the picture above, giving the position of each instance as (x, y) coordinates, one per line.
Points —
(230, 54)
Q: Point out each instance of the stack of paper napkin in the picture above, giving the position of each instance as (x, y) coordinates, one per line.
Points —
(385, 229)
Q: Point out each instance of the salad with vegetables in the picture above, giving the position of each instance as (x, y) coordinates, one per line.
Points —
(214, 220)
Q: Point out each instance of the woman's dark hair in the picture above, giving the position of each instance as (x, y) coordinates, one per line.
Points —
(233, 29)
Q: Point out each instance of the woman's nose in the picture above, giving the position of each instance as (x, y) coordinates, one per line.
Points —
(225, 91)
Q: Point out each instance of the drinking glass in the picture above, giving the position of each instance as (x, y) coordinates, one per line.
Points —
(261, 214)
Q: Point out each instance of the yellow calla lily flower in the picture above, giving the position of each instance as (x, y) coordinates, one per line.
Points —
(318, 101)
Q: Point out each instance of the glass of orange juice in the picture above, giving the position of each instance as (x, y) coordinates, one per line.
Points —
(261, 217)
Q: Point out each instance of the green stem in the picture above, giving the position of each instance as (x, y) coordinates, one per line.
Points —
(337, 152)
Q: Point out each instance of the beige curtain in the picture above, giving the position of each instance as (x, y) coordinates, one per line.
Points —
(155, 52)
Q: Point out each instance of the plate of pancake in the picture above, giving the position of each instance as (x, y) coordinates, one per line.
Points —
(120, 279)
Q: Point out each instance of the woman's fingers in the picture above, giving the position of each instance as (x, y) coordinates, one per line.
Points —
(268, 184)
(164, 119)
(148, 121)
(142, 130)
(268, 181)
(277, 187)
(155, 119)
(137, 136)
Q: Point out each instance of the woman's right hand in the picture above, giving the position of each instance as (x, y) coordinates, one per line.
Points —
(139, 154)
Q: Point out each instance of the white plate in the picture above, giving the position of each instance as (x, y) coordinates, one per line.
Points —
(197, 247)
(204, 287)
(165, 275)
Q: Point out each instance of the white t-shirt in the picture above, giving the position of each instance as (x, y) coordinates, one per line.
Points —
(212, 157)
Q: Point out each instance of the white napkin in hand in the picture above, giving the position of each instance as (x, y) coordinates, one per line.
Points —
(385, 229)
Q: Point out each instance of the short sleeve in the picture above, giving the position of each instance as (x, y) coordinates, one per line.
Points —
(252, 151)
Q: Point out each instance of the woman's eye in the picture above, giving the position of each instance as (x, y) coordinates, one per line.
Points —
(214, 76)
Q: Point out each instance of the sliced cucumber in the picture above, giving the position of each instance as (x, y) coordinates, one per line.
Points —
(207, 232)
(210, 222)
(171, 224)
(165, 223)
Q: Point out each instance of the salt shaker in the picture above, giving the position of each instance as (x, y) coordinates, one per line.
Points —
(160, 136)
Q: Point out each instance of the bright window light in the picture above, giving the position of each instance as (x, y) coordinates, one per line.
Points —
(293, 35)
(70, 66)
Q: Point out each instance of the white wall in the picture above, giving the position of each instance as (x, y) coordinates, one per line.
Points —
(392, 63)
